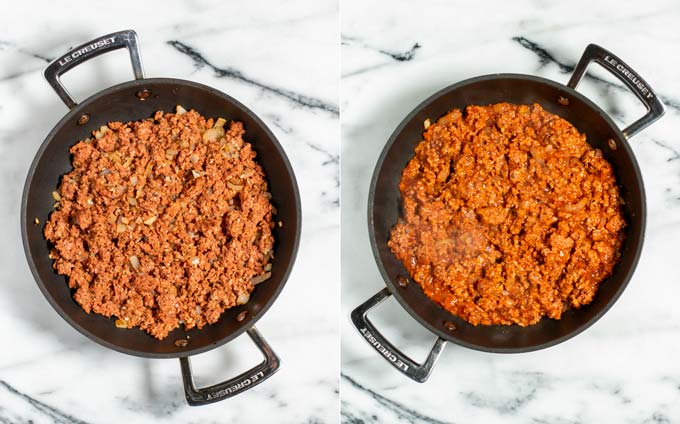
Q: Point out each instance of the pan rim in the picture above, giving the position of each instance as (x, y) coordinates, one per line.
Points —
(622, 141)
(75, 112)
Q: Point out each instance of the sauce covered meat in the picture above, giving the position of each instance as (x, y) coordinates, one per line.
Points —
(162, 222)
(509, 215)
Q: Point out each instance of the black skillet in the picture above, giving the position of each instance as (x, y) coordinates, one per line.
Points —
(131, 101)
(384, 206)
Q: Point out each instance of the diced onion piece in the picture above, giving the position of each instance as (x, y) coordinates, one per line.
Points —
(121, 324)
(134, 262)
(56, 196)
(114, 157)
(213, 134)
(132, 201)
(100, 133)
(195, 261)
(151, 220)
(242, 298)
(236, 187)
(180, 110)
(538, 155)
(260, 278)
(577, 206)
(220, 123)
(193, 158)
(196, 173)
(427, 123)
(268, 267)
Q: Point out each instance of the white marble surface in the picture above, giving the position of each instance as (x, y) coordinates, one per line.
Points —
(49, 373)
(624, 369)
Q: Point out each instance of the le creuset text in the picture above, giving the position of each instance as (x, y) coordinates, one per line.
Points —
(94, 46)
(236, 387)
(386, 353)
(631, 76)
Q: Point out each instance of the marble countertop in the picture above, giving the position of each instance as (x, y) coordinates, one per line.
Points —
(49, 373)
(624, 369)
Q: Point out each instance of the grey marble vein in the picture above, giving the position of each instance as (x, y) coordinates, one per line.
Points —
(396, 56)
(399, 56)
(55, 414)
(300, 99)
(331, 158)
(6, 44)
(675, 153)
(527, 384)
(402, 411)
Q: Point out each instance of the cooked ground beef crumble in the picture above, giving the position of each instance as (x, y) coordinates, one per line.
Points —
(509, 215)
(162, 222)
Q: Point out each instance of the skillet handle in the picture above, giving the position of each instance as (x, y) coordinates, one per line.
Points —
(89, 50)
(626, 75)
(236, 385)
(399, 360)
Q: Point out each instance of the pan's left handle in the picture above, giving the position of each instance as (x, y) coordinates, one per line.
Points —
(233, 386)
(89, 50)
(399, 360)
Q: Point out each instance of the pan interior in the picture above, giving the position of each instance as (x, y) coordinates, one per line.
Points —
(385, 208)
(121, 103)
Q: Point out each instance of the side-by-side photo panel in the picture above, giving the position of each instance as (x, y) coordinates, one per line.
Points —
(174, 184)
(508, 183)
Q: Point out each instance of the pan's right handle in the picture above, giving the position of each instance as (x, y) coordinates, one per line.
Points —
(244, 381)
(626, 75)
(89, 50)
(407, 366)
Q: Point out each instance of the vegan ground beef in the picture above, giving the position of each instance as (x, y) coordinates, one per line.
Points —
(509, 215)
(162, 222)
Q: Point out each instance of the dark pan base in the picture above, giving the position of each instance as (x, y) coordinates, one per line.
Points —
(120, 103)
(385, 204)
